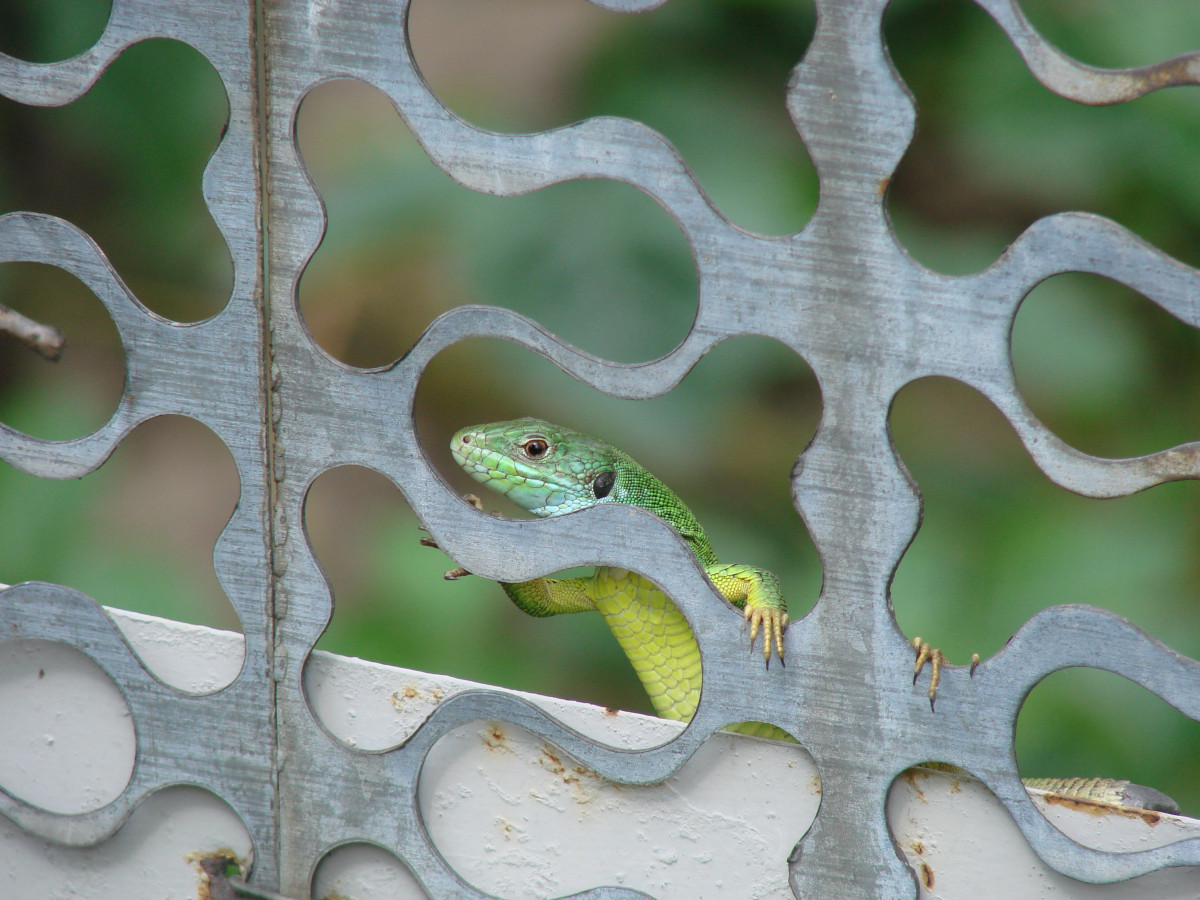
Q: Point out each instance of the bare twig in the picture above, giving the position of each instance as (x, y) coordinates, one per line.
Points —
(44, 339)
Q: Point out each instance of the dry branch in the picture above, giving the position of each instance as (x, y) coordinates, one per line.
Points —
(46, 340)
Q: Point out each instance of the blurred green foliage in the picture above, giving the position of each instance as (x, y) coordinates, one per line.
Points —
(604, 267)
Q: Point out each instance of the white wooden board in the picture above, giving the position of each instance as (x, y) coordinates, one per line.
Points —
(514, 816)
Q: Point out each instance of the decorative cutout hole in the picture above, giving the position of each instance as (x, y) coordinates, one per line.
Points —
(711, 79)
(124, 163)
(735, 481)
(961, 842)
(509, 66)
(1112, 34)
(596, 262)
(136, 534)
(995, 151)
(1107, 370)
(145, 858)
(535, 797)
(43, 32)
(1091, 723)
(999, 542)
(393, 606)
(68, 742)
(363, 871)
(77, 394)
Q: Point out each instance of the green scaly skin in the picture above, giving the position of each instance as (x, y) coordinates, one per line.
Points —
(550, 470)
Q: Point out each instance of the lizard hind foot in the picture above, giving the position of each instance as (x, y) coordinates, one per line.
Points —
(927, 653)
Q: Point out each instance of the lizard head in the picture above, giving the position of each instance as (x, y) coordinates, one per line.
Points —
(544, 468)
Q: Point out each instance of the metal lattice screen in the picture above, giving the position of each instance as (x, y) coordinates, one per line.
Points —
(841, 293)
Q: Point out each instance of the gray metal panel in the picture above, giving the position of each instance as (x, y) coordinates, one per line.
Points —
(842, 293)
(211, 371)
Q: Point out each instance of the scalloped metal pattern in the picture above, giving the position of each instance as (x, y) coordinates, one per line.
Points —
(842, 293)
(211, 371)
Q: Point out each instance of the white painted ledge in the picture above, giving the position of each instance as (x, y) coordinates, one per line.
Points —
(517, 818)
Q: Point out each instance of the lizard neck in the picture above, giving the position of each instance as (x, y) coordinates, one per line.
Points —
(637, 487)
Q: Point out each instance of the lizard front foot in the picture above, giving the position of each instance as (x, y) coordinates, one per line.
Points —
(457, 572)
(773, 622)
(756, 592)
(451, 575)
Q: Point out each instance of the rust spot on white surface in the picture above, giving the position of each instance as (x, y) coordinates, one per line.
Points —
(494, 737)
(913, 777)
(1099, 808)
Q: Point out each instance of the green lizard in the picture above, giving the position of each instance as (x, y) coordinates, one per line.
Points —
(550, 470)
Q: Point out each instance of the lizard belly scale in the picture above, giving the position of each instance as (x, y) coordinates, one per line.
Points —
(655, 636)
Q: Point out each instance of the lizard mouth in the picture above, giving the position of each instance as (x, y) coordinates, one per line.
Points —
(465, 449)
(474, 458)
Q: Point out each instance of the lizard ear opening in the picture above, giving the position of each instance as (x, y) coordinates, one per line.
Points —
(602, 484)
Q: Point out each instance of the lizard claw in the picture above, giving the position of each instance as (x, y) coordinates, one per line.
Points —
(773, 623)
(453, 574)
(926, 653)
(459, 572)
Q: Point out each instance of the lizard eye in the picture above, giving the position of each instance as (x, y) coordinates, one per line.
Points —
(602, 484)
(535, 448)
